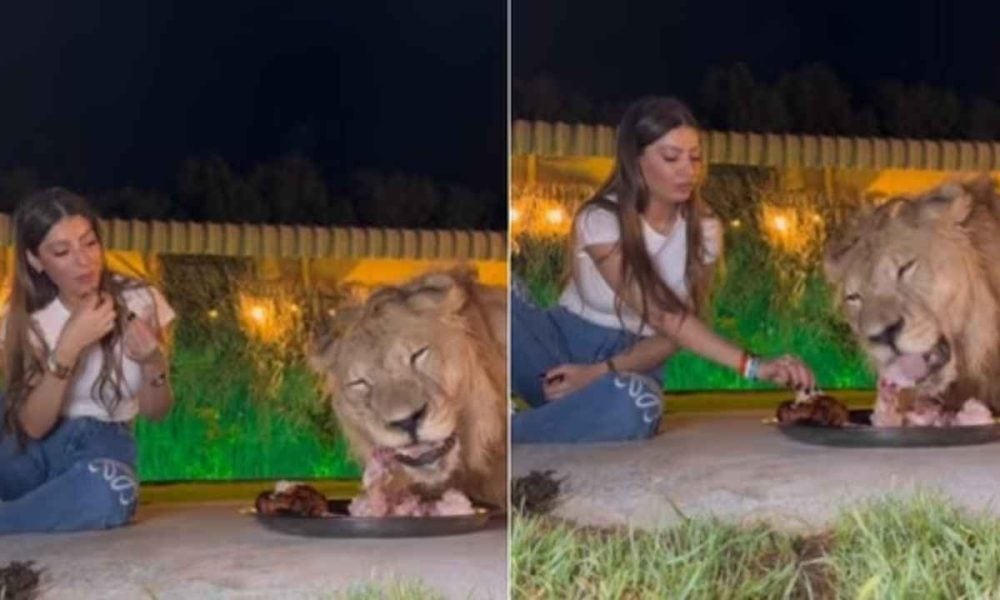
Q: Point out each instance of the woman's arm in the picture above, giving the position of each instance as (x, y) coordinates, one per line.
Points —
(145, 344)
(690, 332)
(44, 404)
(155, 397)
(645, 355)
(91, 320)
(687, 330)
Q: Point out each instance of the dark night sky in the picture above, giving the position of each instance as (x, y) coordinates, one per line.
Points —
(614, 51)
(107, 94)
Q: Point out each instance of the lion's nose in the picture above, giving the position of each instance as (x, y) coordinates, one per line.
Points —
(410, 423)
(888, 335)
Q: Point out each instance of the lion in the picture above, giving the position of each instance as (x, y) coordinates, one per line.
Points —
(918, 281)
(422, 372)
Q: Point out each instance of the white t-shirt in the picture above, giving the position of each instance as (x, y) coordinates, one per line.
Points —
(590, 297)
(147, 303)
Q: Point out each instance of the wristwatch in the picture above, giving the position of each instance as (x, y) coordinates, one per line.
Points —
(159, 380)
(59, 370)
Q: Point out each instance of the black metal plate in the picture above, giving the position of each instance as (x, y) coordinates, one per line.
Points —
(344, 526)
(863, 435)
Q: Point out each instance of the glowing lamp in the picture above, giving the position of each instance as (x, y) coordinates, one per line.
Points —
(258, 313)
(555, 216)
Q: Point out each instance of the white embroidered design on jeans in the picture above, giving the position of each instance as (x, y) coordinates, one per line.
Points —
(119, 476)
(638, 386)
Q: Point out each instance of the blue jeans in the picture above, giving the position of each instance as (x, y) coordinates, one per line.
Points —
(79, 476)
(626, 406)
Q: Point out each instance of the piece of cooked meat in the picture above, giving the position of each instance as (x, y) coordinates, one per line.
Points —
(820, 410)
(297, 499)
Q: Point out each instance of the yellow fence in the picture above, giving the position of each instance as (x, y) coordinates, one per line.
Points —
(293, 241)
(552, 160)
(771, 150)
(348, 255)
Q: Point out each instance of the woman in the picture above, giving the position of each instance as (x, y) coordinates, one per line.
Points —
(643, 250)
(84, 354)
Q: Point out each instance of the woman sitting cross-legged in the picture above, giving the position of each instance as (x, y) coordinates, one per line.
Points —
(642, 257)
(84, 354)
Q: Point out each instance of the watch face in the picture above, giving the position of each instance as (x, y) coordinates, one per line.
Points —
(60, 371)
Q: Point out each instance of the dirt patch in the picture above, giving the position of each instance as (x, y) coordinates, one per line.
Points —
(537, 493)
(19, 581)
(811, 558)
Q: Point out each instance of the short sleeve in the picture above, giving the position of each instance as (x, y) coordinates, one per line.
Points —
(597, 226)
(712, 239)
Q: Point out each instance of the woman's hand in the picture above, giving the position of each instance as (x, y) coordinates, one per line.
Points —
(559, 382)
(788, 371)
(91, 320)
(141, 341)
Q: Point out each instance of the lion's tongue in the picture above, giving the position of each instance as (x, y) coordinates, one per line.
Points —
(415, 450)
(906, 370)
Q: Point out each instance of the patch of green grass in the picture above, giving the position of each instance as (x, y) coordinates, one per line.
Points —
(700, 559)
(921, 547)
(245, 404)
(219, 430)
(392, 590)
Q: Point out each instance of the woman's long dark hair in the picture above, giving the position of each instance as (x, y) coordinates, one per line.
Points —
(645, 121)
(32, 290)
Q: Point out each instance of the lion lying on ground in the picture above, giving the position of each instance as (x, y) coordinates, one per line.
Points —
(918, 281)
(418, 383)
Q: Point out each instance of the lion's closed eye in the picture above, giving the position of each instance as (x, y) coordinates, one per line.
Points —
(418, 357)
(360, 386)
(906, 268)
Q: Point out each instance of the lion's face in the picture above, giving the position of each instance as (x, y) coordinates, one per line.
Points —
(903, 275)
(411, 375)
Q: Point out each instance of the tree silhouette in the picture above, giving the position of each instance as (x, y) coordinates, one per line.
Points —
(291, 190)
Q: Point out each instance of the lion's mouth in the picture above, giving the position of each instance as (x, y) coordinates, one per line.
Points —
(423, 454)
(909, 370)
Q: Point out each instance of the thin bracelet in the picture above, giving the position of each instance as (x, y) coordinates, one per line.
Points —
(611, 366)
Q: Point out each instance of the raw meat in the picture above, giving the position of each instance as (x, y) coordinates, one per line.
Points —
(381, 499)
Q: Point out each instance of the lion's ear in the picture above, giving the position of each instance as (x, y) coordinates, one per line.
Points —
(441, 292)
(321, 348)
(981, 186)
(951, 201)
(319, 351)
(835, 255)
(839, 245)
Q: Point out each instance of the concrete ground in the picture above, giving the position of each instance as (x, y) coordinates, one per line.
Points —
(211, 550)
(732, 465)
